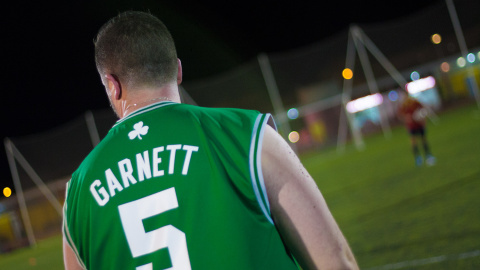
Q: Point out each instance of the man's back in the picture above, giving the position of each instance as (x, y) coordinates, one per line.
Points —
(175, 185)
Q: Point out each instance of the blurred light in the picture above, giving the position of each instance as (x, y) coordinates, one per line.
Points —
(7, 192)
(364, 103)
(292, 113)
(461, 62)
(393, 95)
(471, 57)
(294, 136)
(478, 55)
(347, 74)
(420, 85)
(436, 39)
(445, 67)
(414, 76)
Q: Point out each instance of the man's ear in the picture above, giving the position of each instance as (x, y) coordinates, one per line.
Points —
(179, 74)
(114, 86)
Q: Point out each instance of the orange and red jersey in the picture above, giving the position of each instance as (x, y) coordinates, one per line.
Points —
(406, 111)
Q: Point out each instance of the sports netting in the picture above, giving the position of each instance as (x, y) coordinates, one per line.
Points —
(49, 158)
(305, 76)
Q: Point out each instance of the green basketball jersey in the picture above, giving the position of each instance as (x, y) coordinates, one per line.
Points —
(175, 186)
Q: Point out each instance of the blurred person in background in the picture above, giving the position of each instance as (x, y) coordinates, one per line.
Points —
(179, 186)
(413, 114)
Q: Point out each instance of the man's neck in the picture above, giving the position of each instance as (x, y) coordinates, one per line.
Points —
(139, 98)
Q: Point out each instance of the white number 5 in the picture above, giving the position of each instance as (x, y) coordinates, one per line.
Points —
(141, 243)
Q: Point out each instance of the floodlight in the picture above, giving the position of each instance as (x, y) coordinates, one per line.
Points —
(364, 103)
(393, 95)
(7, 192)
(445, 67)
(292, 113)
(414, 75)
(436, 39)
(293, 137)
(347, 74)
(471, 57)
(420, 85)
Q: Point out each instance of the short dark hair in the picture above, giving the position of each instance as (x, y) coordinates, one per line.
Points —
(138, 48)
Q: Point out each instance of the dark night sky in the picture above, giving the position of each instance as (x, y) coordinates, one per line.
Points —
(48, 71)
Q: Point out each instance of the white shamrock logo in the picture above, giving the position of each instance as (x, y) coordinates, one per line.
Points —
(138, 129)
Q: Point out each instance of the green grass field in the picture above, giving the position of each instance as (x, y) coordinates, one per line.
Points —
(393, 212)
(394, 215)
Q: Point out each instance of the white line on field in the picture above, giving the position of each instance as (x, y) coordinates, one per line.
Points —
(425, 261)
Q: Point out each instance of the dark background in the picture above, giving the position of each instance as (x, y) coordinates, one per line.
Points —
(48, 72)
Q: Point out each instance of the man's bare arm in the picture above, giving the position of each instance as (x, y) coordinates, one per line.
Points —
(300, 211)
(69, 257)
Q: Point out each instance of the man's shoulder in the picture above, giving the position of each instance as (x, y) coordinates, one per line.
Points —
(220, 114)
(216, 110)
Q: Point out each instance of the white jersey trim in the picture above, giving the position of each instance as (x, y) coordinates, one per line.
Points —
(259, 159)
(259, 184)
(66, 231)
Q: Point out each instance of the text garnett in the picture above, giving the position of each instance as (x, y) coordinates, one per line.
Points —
(148, 166)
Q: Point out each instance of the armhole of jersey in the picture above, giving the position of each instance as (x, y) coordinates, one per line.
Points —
(271, 121)
(255, 162)
(66, 231)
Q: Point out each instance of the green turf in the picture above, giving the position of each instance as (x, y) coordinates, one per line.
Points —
(47, 255)
(394, 215)
(392, 211)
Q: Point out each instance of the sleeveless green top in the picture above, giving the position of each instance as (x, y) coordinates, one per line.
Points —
(175, 186)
